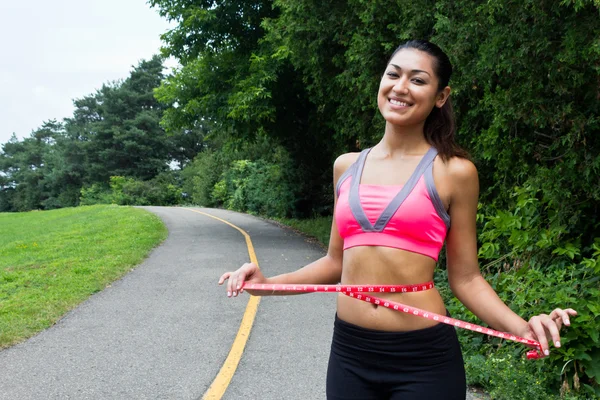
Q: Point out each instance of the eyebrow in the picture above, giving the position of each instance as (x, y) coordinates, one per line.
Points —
(414, 70)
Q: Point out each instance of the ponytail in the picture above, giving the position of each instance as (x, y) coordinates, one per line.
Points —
(440, 130)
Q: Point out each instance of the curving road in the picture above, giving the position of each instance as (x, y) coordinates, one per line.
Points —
(164, 330)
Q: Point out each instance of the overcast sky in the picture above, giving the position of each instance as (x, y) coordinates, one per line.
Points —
(55, 51)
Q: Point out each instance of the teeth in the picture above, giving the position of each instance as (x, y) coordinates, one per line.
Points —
(398, 103)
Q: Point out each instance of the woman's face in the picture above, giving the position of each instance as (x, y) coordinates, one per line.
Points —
(408, 90)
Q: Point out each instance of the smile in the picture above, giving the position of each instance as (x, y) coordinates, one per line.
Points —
(399, 103)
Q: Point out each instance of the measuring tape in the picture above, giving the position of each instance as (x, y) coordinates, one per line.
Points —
(364, 293)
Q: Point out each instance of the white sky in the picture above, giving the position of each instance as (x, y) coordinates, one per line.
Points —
(52, 52)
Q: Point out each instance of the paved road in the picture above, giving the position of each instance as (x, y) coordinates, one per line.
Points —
(164, 330)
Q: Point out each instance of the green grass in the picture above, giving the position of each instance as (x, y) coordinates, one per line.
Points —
(319, 227)
(50, 261)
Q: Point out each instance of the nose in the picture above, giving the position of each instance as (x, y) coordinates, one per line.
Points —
(401, 86)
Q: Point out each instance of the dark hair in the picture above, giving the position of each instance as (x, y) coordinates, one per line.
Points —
(440, 127)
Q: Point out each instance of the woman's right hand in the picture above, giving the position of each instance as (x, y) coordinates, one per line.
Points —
(248, 272)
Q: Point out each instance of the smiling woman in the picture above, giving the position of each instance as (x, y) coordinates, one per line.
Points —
(50, 261)
(396, 205)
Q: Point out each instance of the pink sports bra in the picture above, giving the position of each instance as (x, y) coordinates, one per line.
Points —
(411, 217)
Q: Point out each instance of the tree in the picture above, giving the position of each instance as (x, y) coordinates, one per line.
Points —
(23, 165)
(119, 127)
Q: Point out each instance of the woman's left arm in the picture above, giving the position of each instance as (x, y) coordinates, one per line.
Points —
(464, 276)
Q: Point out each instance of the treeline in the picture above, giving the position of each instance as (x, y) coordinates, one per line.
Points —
(114, 132)
(270, 92)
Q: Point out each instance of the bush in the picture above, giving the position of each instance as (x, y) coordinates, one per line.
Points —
(500, 367)
(200, 176)
(256, 187)
(509, 376)
(160, 191)
(95, 194)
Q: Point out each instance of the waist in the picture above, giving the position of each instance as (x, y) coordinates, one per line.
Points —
(370, 312)
(385, 266)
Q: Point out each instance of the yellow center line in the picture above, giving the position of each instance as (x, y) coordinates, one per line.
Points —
(221, 382)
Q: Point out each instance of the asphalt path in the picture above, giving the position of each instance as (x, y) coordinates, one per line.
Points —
(165, 329)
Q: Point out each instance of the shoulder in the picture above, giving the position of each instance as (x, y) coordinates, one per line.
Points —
(456, 170)
(343, 162)
(461, 171)
(463, 180)
(455, 178)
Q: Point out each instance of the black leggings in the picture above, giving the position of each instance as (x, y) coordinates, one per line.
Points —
(369, 364)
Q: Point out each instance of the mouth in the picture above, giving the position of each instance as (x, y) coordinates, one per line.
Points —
(399, 103)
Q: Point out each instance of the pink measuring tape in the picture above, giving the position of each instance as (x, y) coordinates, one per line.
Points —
(364, 293)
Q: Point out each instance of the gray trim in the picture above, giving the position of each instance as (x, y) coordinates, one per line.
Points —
(395, 204)
(348, 172)
(435, 197)
(392, 207)
(354, 198)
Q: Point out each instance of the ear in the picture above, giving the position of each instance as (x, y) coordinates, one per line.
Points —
(442, 97)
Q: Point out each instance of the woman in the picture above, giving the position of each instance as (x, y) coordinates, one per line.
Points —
(395, 205)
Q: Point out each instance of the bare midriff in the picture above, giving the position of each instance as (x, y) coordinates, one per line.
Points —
(364, 265)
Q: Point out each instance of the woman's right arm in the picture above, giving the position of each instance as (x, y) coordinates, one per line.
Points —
(325, 270)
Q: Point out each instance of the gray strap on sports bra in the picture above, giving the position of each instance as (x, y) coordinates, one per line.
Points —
(390, 210)
(345, 175)
(435, 197)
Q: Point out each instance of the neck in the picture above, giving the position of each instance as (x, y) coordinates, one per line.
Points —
(403, 140)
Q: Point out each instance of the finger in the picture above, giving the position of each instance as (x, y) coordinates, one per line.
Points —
(238, 283)
(540, 333)
(249, 273)
(230, 284)
(223, 277)
(563, 315)
(562, 318)
(559, 322)
(571, 312)
(553, 330)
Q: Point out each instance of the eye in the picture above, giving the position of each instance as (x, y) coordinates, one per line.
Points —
(419, 81)
(392, 74)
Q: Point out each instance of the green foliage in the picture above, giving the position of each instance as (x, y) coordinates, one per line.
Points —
(95, 194)
(531, 288)
(526, 91)
(244, 86)
(317, 227)
(255, 187)
(253, 176)
(200, 176)
(118, 127)
(160, 191)
(113, 132)
(23, 167)
(213, 43)
(532, 247)
(510, 377)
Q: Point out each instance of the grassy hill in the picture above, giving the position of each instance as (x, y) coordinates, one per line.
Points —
(50, 261)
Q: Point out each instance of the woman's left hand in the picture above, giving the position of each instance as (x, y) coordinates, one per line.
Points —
(543, 327)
